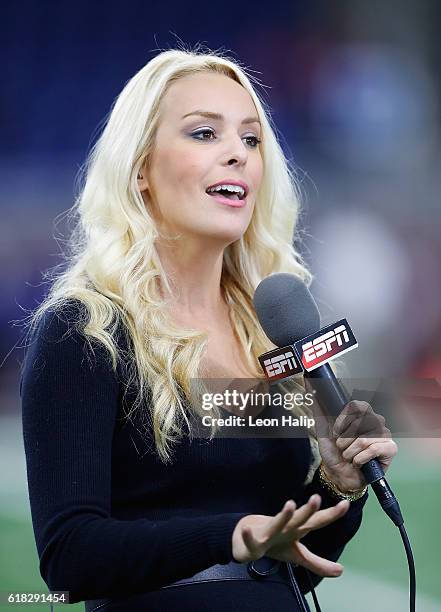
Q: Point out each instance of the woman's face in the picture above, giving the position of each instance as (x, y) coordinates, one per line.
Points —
(208, 134)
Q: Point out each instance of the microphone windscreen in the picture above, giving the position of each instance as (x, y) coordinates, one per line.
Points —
(286, 309)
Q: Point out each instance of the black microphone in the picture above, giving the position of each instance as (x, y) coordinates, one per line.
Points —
(288, 313)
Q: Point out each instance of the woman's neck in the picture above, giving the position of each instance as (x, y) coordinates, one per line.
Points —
(194, 274)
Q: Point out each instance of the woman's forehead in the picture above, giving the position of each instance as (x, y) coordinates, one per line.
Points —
(216, 93)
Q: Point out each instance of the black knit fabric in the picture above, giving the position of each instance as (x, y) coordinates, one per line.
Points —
(109, 518)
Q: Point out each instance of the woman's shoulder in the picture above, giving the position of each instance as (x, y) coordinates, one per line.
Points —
(67, 318)
(57, 339)
(58, 322)
(60, 329)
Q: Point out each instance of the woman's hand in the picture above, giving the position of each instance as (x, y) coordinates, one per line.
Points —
(359, 434)
(258, 535)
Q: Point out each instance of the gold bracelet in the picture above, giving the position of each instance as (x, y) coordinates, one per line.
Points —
(351, 495)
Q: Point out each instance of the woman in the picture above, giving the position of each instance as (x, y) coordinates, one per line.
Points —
(157, 292)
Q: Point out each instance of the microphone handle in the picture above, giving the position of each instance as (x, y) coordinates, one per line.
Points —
(333, 398)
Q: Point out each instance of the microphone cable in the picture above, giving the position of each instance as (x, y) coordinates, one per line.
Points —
(411, 564)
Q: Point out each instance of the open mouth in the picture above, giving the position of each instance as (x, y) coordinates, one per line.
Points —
(233, 193)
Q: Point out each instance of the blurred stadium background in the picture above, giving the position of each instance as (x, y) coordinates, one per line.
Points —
(355, 92)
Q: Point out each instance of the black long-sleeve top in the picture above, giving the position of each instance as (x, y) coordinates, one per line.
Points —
(110, 518)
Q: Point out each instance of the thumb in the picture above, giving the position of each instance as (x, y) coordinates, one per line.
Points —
(319, 565)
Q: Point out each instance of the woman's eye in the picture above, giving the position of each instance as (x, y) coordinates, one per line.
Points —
(255, 140)
(196, 134)
(200, 136)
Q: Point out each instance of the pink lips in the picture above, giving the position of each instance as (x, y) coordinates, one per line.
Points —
(231, 203)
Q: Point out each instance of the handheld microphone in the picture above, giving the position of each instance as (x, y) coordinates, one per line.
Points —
(290, 318)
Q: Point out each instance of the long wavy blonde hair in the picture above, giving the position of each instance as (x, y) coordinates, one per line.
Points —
(113, 267)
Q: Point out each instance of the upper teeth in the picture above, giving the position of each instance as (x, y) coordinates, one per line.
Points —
(232, 188)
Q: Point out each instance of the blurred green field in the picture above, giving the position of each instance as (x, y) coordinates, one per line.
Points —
(375, 574)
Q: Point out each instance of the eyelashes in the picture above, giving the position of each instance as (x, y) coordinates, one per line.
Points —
(197, 135)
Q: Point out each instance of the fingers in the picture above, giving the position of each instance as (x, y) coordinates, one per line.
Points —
(322, 518)
(360, 444)
(383, 450)
(257, 544)
(303, 513)
(318, 565)
(292, 522)
(250, 542)
(347, 438)
(254, 545)
(358, 418)
(282, 518)
(350, 412)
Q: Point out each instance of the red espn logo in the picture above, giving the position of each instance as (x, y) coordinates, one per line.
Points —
(325, 345)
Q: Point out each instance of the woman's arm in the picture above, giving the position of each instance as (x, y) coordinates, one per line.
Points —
(357, 435)
(69, 406)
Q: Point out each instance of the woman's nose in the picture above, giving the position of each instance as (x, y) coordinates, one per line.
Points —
(237, 152)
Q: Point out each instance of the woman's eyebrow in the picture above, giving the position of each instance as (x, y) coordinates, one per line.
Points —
(211, 115)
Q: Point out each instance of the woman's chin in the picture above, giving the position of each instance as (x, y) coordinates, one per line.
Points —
(228, 236)
(223, 232)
